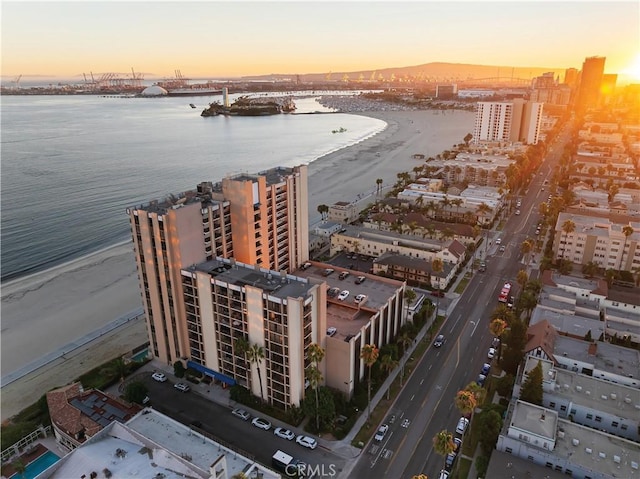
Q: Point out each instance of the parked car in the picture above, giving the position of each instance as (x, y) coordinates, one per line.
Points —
(449, 460)
(483, 267)
(499, 241)
(306, 265)
(517, 212)
(343, 275)
(457, 442)
(328, 271)
(332, 331)
(360, 298)
(463, 422)
(481, 379)
(443, 475)
(333, 292)
(182, 387)
(486, 367)
(241, 413)
(307, 441)
(502, 249)
(440, 340)
(159, 377)
(382, 431)
(343, 295)
(495, 342)
(261, 423)
(491, 353)
(284, 433)
(360, 279)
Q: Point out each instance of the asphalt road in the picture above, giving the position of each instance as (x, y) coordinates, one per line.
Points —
(426, 404)
(202, 413)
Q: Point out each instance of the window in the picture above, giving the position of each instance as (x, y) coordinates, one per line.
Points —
(552, 404)
(598, 419)
(589, 416)
(508, 450)
(623, 427)
(614, 423)
(563, 408)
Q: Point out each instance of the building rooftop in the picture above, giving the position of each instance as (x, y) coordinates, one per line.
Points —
(604, 453)
(607, 357)
(391, 238)
(597, 394)
(413, 263)
(534, 419)
(151, 444)
(568, 324)
(507, 466)
(277, 284)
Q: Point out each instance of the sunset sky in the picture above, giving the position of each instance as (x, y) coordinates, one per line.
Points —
(221, 38)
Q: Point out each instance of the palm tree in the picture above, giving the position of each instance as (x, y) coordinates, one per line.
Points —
(388, 364)
(443, 444)
(379, 182)
(466, 403)
(437, 267)
(369, 354)
(315, 354)
(241, 347)
(526, 247)
(404, 340)
(567, 227)
(255, 354)
(627, 231)
(482, 209)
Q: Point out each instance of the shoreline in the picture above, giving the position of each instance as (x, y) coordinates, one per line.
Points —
(73, 299)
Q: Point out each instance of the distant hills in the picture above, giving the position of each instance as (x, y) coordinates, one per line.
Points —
(437, 71)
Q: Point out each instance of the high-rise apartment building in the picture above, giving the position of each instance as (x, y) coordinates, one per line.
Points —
(590, 83)
(258, 219)
(508, 121)
(571, 76)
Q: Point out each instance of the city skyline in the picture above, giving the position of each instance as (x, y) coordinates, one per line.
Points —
(229, 39)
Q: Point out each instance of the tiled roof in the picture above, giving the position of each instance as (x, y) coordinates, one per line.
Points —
(541, 335)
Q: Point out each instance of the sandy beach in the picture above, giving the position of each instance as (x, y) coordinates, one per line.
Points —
(44, 312)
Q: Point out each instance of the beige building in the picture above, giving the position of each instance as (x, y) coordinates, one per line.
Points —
(257, 219)
(343, 212)
(509, 121)
(598, 239)
(231, 306)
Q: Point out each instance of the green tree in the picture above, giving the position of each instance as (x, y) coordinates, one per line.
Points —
(405, 341)
(369, 354)
(443, 444)
(568, 227)
(532, 386)
(315, 354)
(467, 138)
(135, 392)
(255, 355)
(388, 364)
(626, 231)
(379, 182)
(324, 409)
(590, 269)
(178, 369)
(466, 403)
(490, 425)
(19, 466)
(437, 267)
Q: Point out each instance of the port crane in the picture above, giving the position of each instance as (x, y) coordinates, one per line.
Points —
(16, 81)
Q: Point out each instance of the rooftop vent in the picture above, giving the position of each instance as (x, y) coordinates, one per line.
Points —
(613, 396)
(604, 397)
(575, 442)
(578, 388)
(616, 459)
(602, 455)
(588, 450)
(634, 465)
(627, 400)
(561, 434)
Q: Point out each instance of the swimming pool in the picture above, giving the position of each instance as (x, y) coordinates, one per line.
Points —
(36, 467)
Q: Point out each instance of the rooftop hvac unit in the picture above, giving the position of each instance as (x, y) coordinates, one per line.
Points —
(627, 400)
(602, 455)
(634, 465)
(588, 450)
(604, 397)
(575, 442)
(578, 388)
(561, 434)
(613, 396)
(616, 459)
(588, 393)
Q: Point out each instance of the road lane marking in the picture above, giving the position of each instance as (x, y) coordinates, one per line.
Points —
(422, 381)
(412, 396)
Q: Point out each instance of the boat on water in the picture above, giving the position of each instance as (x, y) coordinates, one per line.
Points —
(341, 130)
(194, 92)
(192, 105)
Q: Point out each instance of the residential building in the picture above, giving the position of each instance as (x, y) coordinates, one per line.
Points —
(446, 92)
(590, 83)
(545, 89)
(508, 121)
(257, 219)
(416, 272)
(538, 435)
(230, 305)
(571, 76)
(608, 243)
(153, 445)
(78, 415)
(343, 212)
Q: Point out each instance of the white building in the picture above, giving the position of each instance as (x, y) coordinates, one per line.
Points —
(508, 121)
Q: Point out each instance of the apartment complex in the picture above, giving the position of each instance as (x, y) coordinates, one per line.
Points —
(257, 219)
(608, 243)
(545, 89)
(231, 306)
(508, 121)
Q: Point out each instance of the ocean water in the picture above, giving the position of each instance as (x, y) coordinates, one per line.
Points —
(71, 165)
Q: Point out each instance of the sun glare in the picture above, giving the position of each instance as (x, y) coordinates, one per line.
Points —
(633, 70)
